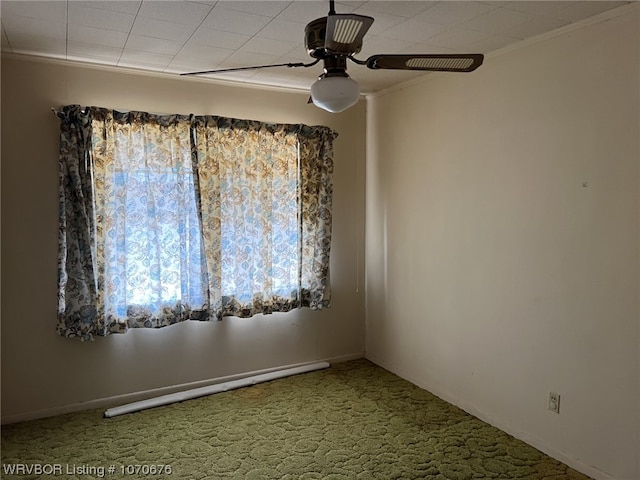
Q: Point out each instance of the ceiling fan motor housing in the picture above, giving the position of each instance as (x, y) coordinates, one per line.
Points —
(314, 37)
(346, 33)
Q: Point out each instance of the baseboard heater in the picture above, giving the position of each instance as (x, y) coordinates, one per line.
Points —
(211, 389)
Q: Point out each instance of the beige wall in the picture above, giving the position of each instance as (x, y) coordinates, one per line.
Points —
(43, 373)
(503, 241)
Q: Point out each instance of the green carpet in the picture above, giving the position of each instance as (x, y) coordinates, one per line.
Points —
(352, 421)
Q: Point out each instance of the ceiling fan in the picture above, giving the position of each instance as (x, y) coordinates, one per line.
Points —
(336, 38)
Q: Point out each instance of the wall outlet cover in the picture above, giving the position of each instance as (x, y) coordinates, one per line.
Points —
(554, 402)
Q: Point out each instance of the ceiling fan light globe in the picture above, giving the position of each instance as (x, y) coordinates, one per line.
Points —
(335, 94)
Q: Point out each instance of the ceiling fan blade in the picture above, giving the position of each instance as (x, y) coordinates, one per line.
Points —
(345, 32)
(430, 63)
(255, 67)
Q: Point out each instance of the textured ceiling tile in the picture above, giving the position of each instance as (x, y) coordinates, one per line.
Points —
(134, 58)
(454, 13)
(89, 51)
(123, 6)
(494, 42)
(580, 10)
(198, 59)
(151, 27)
(460, 39)
(428, 48)
(41, 27)
(498, 20)
(268, 46)
(381, 44)
(224, 19)
(215, 38)
(279, 29)
(305, 11)
(546, 8)
(203, 34)
(144, 43)
(206, 53)
(248, 59)
(399, 8)
(187, 13)
(97, 18)
(211, 3)
(345, 5)
(265, 8)
(413, 31)
(45, 10)
(536, 26)
(382, 21)
(109, 38)
(37, 45)
(298, 53)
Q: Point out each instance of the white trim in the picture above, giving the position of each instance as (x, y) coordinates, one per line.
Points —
(601, 17)
(526, 437)
(146, 394)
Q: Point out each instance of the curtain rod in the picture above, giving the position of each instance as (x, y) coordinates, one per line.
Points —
(57, 112)
(83, 109)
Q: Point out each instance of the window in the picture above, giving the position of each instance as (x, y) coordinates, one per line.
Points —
(169, 218)
(154, 248)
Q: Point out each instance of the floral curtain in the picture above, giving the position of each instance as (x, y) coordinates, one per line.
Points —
(169, 218)
(316, 184)
(265, 193)
(134, 203)
(77, 276)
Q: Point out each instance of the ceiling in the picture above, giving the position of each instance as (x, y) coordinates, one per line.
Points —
(183, 36)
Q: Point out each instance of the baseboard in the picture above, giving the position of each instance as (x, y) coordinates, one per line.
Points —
(145, 394)
(342, 358)
(529, 439)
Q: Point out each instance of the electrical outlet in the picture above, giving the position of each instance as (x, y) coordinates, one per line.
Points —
(554, 402)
